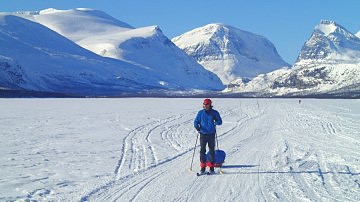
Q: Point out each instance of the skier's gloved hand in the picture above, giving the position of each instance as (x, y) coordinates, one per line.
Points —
(214, 118)
(198, 128)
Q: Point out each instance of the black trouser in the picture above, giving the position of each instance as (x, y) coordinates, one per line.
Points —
(210, 140)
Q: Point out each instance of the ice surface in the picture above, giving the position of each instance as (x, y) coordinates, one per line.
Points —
(137, 149)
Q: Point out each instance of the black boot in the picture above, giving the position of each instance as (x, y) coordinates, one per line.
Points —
(212, 170)
(202, 170)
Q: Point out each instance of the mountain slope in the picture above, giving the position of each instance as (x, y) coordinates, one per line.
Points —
(109, 37)
(358, 34)
(83, 26)
(34, 57)
(330, 42)
(230, 52)
(327, 64)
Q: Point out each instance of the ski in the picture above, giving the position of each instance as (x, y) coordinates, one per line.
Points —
(211, 173)
(200, 174)
(207, 173)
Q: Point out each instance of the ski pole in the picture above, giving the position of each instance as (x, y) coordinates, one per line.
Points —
(217, 141)
(192, 160)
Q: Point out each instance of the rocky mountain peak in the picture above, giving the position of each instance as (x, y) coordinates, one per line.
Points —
(330, 41)
(229, 52)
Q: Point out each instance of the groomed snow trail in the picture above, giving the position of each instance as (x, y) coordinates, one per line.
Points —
(276, 150)
(141, 150)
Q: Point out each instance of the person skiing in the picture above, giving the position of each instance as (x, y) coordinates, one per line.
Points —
(205, 123)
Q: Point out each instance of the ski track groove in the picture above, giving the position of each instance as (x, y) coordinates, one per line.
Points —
(143, 186)
(131, 139)
(130, 159)
(132, 143)
(172, 137)
(103, 193)
(139, 185)
(293, 164)
(296, 167)
(189, 191)
(311, 160)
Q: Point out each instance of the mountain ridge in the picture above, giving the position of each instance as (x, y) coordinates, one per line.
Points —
(230, 52)
(331, 41)
(327, 64)
(75, 67)
(109, 38)
(42, 53)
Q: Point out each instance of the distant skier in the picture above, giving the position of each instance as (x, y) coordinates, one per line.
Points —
(205, 123)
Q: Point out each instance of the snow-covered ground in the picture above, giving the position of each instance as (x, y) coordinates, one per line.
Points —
(137, 149)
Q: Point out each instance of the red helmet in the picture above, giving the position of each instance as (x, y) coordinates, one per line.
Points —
(207, 101)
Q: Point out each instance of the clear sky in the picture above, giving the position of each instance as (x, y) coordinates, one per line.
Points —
(286, 23)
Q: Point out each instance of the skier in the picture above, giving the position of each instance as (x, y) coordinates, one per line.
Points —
(205, 123)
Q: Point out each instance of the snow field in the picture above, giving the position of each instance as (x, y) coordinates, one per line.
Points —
(137, 149)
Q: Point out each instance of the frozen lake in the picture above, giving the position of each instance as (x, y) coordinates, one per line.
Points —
(141, 148)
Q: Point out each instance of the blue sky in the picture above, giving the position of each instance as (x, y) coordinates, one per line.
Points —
(286, 23)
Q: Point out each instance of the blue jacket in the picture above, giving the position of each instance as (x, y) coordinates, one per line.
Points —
(207, 120)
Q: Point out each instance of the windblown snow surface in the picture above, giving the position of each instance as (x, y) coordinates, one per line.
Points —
(137, 149)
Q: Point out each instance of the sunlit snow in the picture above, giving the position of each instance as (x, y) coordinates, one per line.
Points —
(140, 149)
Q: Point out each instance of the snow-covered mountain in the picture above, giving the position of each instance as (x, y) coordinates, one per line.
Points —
(33, 57)
(87, 52)
(327, 64)
(147, 46)
(229, 52)
(330, 42)
(358, 34)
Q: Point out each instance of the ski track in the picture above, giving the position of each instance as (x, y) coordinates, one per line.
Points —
(311, 176)
(139, 151)
(285, 170)
(277, 150)
(139, 156)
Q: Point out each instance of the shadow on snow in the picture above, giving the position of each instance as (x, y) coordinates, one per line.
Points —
(319, 171)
